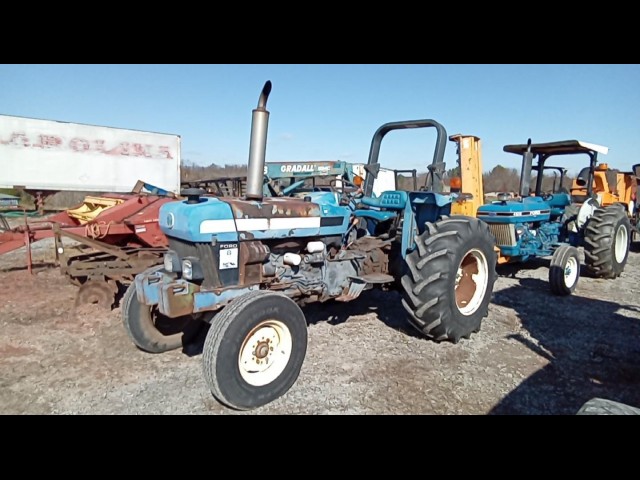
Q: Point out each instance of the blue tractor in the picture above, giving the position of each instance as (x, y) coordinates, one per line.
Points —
(246, 265)
(554, 223)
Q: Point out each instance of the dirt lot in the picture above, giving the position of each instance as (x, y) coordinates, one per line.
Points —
(536, 354)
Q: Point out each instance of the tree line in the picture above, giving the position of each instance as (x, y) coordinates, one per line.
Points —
(498, 179)
(503, 179)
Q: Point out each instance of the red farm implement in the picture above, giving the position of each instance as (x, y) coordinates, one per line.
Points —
(109, 238)
(115, 236)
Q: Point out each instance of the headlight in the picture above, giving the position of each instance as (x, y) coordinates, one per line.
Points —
(171, 261)
(187, 269)
(191, 269)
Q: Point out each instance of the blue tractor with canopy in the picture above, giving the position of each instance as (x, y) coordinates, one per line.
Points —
(553, 223)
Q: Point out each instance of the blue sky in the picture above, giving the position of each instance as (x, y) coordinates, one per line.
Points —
(327, 112)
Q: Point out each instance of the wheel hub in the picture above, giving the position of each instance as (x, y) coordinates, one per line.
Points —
(465, 285)
(571, 270)
(471, 282)
(621, 242)
(265, 352)
(262, 349)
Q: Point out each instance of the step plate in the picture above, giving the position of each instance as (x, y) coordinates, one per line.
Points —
(376, 278)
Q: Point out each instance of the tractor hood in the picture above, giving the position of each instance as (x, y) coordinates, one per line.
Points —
(232, 219)
(528, 209)
(189, 221)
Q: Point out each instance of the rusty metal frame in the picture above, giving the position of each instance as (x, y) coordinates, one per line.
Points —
(104, 260)
(220, 187)
(4, 224)
(135, 221)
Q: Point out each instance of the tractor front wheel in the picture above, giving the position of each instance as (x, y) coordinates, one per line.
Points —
(450, 277)
(254, 349)
(564, 271)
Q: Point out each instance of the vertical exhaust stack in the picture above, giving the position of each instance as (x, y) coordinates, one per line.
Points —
(258, 146)
(525, 173)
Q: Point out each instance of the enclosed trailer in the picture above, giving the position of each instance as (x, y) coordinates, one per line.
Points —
(50, 156)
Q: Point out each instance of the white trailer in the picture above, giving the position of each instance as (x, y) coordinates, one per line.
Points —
(47, 155)
(385, 181)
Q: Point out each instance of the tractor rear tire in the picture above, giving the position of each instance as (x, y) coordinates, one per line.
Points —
(564, 271)
(600, 406)
(153, 332)
(255, 349)
(606, 242)
(449, 279)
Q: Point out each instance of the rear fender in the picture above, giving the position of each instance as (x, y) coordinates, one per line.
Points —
(421, 208)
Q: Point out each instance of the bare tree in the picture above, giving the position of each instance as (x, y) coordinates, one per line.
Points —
(190, 172)
(501, 179)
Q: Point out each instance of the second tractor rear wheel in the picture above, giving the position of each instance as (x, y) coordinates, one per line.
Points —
(606, 242)
(450, 277)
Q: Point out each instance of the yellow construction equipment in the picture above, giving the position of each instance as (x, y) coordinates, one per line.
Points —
(611, 187)
(469, 183)
(92, 207)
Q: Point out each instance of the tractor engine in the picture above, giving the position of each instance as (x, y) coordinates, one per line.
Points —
(522, 228)
(222, 248)
(319, 269)
(536, 238)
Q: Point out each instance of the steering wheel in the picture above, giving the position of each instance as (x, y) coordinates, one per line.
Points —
(348, 191)
(547, 196)
(346, 187)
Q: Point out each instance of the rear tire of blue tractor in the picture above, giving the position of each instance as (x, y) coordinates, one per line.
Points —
(450, 277)
(153, 332)
(564, 271)
(255, 349)
(601, 406)
(607, 238)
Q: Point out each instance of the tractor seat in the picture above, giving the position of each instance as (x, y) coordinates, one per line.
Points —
(390, 200)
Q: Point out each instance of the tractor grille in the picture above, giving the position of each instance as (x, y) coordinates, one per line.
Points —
(202, 251)
(505, 234)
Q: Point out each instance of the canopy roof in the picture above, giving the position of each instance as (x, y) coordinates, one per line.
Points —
(563, 147)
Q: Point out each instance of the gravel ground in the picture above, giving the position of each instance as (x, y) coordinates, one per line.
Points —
(535, 354)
